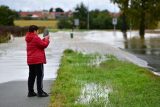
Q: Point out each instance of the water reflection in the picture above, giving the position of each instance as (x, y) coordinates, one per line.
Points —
(147, 49)
(150, 46)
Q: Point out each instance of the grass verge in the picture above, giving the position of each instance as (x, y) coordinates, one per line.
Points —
(83, 83)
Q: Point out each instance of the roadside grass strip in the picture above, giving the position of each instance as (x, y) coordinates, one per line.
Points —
(93, 80)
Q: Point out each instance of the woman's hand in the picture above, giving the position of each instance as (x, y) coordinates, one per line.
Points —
(47, 37)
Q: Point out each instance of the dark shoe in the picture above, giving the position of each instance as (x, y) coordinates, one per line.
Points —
(42, 94)
(32, 94)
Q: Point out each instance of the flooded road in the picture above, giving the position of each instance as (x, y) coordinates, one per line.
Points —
(14, 69)
(13, 64)
(148, 49)
(12, 61)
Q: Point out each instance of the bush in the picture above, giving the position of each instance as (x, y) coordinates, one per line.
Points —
(64, 23)
(6, 31)
(4, 36)
(100, 20)
(17, 31)
(7, 15)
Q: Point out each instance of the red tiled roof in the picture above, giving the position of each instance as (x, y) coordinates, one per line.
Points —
(37, 13)
(42, 14)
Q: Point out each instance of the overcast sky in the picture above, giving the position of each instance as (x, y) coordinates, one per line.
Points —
(29, 5)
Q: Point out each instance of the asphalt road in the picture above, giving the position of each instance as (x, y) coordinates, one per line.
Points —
(14, 94)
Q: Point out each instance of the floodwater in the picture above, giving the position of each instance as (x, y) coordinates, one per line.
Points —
(13, 64)
(94, 93)
(147, 49)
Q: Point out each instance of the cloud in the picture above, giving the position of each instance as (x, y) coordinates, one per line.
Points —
(65, 4)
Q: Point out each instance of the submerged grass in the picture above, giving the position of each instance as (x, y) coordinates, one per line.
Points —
(4, 38)
(128, 84)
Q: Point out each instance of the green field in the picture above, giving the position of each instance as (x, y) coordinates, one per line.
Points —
(46, 23)
(112, 83)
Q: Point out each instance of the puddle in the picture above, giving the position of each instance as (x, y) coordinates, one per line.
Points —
(95, 61)
(98, 60)
(94, 93)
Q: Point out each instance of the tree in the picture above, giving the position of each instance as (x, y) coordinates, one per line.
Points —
(143, 13)
(59, 10)
(51, 10)
(146, 13)
(7, 16)
(81, 12)
(65, 23)
(100, 20)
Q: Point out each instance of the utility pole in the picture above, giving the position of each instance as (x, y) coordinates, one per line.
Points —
(114, 20)
(88, 17)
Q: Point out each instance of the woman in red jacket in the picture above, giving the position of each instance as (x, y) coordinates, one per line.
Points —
(35, 59)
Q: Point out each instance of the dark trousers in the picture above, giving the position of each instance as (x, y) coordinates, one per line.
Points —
(35, 71)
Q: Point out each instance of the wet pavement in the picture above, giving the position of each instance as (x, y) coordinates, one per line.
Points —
(14, 94)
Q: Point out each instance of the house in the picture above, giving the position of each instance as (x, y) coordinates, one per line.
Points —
(115, 14)
(45, 15)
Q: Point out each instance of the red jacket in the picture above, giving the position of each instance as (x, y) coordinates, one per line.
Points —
(35, 48)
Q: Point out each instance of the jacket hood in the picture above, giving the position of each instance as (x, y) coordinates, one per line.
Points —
(29, 36)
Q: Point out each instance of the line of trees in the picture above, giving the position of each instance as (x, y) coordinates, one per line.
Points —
(58, 9)
(137, 14)
(97, 20)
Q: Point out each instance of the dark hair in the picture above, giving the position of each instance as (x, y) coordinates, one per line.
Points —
(33, 28)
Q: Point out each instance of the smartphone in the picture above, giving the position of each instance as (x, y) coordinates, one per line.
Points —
(46, 32)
